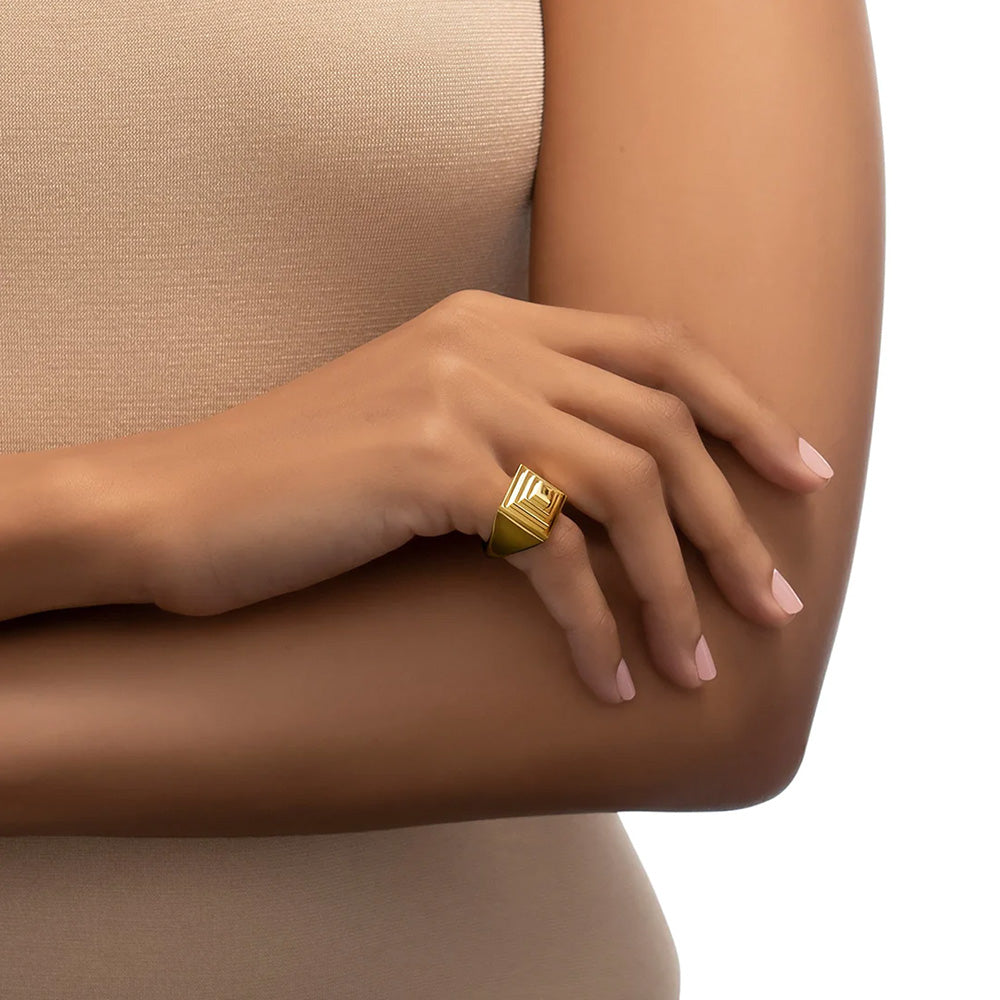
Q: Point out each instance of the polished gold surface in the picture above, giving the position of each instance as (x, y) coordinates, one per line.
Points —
(526, 514)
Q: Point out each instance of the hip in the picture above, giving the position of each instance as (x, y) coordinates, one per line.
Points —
(555, 906)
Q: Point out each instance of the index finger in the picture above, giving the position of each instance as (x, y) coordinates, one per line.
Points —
(666, 355)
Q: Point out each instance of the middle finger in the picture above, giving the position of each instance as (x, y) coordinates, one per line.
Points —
(697, 491)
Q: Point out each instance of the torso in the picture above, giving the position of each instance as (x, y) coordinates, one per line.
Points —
(200, 202)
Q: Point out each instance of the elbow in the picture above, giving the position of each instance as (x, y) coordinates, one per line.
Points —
(766, 771)
(745, 761)
(769, 750)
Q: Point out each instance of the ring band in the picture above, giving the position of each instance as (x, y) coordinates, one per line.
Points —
(525, 516)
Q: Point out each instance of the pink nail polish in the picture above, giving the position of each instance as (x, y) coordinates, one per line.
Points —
(787, 599)
(625, 686)
(814, 460)
(703, 660)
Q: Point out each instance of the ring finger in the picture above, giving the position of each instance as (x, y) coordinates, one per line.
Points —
(614, 482)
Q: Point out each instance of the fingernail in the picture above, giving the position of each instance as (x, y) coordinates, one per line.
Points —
(814, 460)
(625, 686)
(787, 599)
(703, 660)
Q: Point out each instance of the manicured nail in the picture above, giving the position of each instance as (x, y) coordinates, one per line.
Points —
(625, 686)
(703, 660)
(814, 460)
(787, 599)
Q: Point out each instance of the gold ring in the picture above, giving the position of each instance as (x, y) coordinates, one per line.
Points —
(525, 516)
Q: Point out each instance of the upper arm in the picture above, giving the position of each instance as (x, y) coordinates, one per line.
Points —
(720, 163)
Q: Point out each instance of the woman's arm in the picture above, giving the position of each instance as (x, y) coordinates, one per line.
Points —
(429, 685)
(697, 161)
(720, 163)
(67, 539)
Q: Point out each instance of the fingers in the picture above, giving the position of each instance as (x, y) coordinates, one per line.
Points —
(699, 496)
(563, 577)
(608, 408)
(666, 355)
(561, 573)
(619, 485)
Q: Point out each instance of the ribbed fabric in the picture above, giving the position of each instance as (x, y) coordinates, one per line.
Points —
(200, 201)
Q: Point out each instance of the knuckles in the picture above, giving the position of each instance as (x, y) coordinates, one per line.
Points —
(637, 469)
(673, 411)
(449, 375)
(464, 310)
(471, 300)
(434, 438)
(453, 342)
(452, 379)
(447, 367)
(669, 334)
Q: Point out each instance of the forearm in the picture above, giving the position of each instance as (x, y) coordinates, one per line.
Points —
(427, 686)
(67, 539)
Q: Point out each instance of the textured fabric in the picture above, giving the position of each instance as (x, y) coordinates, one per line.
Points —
(540, 908)
(199, 201)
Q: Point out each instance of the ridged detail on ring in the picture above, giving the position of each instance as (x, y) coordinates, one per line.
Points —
(525, 515)
(533, 502)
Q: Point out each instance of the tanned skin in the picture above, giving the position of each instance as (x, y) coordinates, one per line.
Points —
(710, 161)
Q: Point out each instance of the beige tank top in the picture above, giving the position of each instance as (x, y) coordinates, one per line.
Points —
(201, 200)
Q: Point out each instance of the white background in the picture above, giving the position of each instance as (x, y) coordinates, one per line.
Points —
(875, 873)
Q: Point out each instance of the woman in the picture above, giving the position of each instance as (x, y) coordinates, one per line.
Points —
(286, 291)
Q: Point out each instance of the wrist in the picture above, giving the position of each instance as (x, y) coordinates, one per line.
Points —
(71, 532)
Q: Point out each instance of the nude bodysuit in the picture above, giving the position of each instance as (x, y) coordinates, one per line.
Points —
(201, 200)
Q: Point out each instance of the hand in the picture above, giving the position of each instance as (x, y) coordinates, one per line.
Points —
(419, 431)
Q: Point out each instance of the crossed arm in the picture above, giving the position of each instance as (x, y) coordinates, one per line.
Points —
(701, 161)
